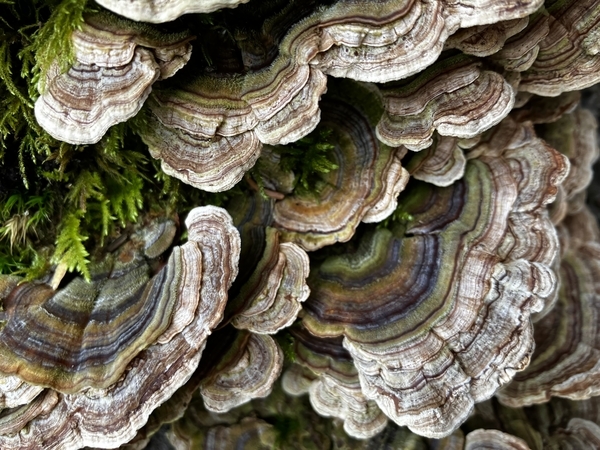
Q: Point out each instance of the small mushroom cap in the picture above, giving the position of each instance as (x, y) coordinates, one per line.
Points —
(159, 11)
(248, 370)
(277, 305)
(493, 440)
(441, 164)
(231, 119)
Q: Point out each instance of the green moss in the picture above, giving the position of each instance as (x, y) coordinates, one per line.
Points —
(286, 343)
(51, 42)
(308, 158)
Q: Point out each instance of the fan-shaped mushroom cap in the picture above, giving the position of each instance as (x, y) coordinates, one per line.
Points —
(110, 416)
(442, 163)
(493, 440)
(364, 187)
(277, 305)
(566, 361)
(267, 295)
(80, 105)
(86, 333)
(436, 312)
(159, 11)
(568, 57)
(456, 97)
(212, 165)
(117, 61)
(335, 389)
(485, 40)
(246, 371)
(204, 124)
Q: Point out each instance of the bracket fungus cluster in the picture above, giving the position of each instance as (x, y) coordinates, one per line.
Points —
(387, 225)
(133, 339)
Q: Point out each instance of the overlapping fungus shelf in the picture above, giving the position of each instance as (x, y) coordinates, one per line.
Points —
(325, 370)
(435, 312)
(195, 280)
(275, 99)
(566, 361)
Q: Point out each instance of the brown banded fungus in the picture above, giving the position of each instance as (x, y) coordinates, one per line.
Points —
(210, 123)
(247, 370)
(116, 63)
(493, 440)
(277, 305)
(277, 102)
(201, 271)
(435, 313)
(442, 163)
(271, 287)
(364, 187)
(333, 385)
(457, 97)
(159, 11)
(566, 361)
(568, 57)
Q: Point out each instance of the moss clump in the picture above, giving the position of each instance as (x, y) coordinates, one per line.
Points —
(59, 202)
(308, 158)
